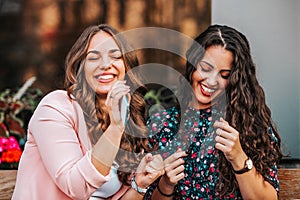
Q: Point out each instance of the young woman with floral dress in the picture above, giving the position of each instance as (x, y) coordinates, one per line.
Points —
(220, 141)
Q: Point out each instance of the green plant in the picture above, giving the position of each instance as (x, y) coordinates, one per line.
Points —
(16, 108)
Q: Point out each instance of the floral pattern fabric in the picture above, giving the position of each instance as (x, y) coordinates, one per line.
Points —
(192, 131)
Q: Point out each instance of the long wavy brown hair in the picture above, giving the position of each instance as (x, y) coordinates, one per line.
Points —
(245, 109)
(134, 139)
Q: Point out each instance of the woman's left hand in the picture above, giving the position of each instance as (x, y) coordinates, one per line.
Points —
(228, 141)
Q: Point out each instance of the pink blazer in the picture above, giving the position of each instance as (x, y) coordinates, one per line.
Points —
(56, 162)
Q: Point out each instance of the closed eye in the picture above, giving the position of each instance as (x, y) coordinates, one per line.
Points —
(225, 73)
(204, 66)
(116, 54)
(93, 55)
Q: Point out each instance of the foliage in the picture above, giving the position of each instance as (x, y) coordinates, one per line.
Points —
(16, 108)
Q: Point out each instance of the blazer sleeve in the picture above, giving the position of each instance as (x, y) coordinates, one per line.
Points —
(53, 127)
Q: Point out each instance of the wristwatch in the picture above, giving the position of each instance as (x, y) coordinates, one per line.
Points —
(248, 167)
(141, 191)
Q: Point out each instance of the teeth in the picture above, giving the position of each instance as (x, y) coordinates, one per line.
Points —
(105, 77)
(207, 89)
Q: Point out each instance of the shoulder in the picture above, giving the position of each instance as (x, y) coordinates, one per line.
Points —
(164, 119)
(165, 114)
(56, 101)
(56, 96)
(170, 114)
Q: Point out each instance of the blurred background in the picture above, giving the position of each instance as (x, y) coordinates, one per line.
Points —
(35, 36)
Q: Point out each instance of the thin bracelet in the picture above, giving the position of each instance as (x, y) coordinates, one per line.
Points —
(164, 194)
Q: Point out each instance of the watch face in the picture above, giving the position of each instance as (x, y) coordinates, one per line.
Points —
(249, 164)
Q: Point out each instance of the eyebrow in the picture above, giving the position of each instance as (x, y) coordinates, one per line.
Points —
(223, 70)
(98, 52)
(208, 63)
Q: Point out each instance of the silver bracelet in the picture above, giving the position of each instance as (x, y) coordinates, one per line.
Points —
(141, 191)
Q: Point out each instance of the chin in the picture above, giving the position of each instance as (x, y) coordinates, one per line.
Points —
(103, 90)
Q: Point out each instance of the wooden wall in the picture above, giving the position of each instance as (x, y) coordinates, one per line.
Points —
(36, 35)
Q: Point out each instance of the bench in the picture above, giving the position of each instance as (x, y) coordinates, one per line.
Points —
(289, 183)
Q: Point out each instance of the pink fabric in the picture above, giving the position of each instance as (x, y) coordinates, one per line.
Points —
(120, 193)
(56, 162)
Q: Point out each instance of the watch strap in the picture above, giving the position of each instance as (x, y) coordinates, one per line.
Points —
(134, 185)
(244, 170)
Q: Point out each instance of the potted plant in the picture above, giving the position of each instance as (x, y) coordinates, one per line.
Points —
(16, 108)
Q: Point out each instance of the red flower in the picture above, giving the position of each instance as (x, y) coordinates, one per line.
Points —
(12, 155)
(10, 148)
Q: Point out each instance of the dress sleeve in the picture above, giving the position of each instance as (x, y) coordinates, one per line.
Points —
(163, 127)
(53, 130)
(273, 174)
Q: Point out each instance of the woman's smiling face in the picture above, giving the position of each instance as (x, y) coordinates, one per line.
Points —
(211, 77)
(104, 63)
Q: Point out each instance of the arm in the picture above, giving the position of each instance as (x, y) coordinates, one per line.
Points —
(106, 148)
(54, 128)
(251, 184)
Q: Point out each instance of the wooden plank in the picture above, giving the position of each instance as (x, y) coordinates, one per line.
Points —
(289, 183)
(289, 180)
(7, 183)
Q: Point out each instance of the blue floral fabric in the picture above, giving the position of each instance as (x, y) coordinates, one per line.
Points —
(192, 131)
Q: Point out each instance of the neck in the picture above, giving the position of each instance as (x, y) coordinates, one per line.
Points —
(101, 100)
(199, 106)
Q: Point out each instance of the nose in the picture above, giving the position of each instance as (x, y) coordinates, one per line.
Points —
(213, 79)
(105, 63)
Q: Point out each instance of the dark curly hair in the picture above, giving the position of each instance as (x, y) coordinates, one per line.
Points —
(245, 109)
(134, 139)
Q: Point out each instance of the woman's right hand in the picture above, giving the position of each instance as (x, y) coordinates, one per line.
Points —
(117, 91)
(150, 168)
(174, 168)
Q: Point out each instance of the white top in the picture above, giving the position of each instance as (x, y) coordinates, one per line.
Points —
(109, 188)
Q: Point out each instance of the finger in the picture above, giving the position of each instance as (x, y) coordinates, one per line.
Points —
(157, 160)
(119, 92)
(149, 157)
(114, 88)
(225, 126)
(156, 164)
(224, 141)
(142, 166)
(174, 164)
(154, 172)
(220, 147)
(175, 156)
(234, 137)
(173, 180)
(175, 171)
(223, 120)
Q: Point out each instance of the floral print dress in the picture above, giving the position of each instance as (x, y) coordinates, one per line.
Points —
(193, 133)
